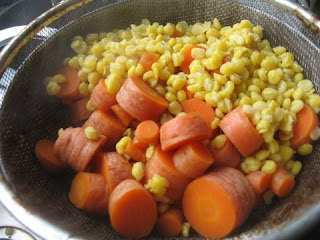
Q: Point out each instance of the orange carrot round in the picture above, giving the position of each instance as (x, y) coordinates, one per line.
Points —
(182, 130)
(101, 98)
(79, 111)
(141, 101)
(192, 159)
(226, 156)
(46, 157)
(148, 132)
(188, 59)
(69, 90)
(217, 203)
(260, 181)
(307, 121)
(241, 132)
(132, 209)
(90, 193)
(282, 182)
(123, 116)
(169, 223)
(161, 164)
(136, 152)
(113, 167)
(146, 60)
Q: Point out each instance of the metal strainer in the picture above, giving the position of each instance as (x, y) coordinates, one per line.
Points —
(39, 200)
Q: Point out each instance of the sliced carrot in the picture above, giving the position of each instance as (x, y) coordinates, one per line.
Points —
(161, 163)
(106, 125)
(90, 192)
(123, 116)
(169, 223)
(217, 203)
(260, 181)
(182, 130)
(132, 209)
(307, 121)
(69, 90)
(282, 182)
(146, 60)
(194, 105)
(188, 59)
(135, 152)
(139, 144)
(176, 33)
(75, 149)
(192, 159)
(79, 111)
(46, 157)
(226, 156)
(101, 98)
(141, 101)
(148, 132)
(240, 131)
(113, 167)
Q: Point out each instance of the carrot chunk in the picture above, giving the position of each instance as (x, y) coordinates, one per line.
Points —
(135, 152)
(69, 90)
(75, 149)
(188, 59)
(226, 156)
(79, 111)
(217, 203)
(140, 100)
(89, 192)
(282, 182)
(161, 163)
(192, 159)
(123, 116)
(46, 157)
(176, 33)
(260, 181)
(307, 121)
(132, 209)
(106, 125)
(113, 167)
(182, 130)
(147, 132)
(169, 223)
(101, 98)
(146, 60)
(241, 132)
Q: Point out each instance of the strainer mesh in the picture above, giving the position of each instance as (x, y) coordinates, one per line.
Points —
(28, 114)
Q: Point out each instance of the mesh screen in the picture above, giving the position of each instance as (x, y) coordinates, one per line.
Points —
(28, 114)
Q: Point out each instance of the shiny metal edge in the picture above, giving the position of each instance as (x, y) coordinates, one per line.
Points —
(43, 229)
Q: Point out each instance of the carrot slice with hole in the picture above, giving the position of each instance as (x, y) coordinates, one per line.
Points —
(123, 116)
(217, 203)
(307, 121)
(140, 100)
(75, 149)
(260, 181)
(132, 209)
(69, 90)
(226, 156)
(106, 125)
(282, 182)
(161, 163)
(194, 105)
(240, 131)
(169, 223)
(182, 130)
(79, 111)
(113, 167)
(188, 59)
(46, 157)
(101, 98)
(148, 132)
(192, 159)
(146, 60)
(135, 152)
(90, 192)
